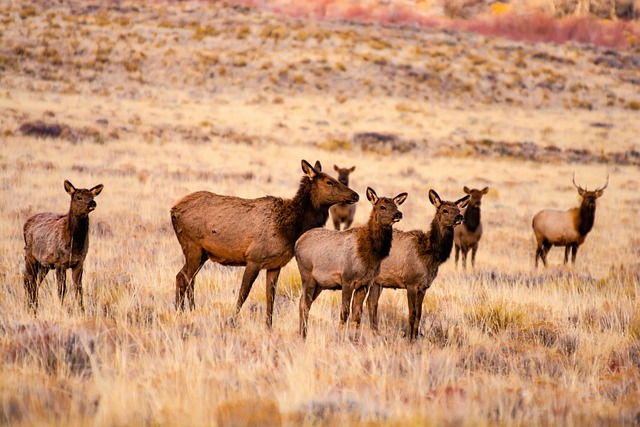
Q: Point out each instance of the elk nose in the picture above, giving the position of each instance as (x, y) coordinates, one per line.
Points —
(459, 219)
(355, 197)
(92, 204)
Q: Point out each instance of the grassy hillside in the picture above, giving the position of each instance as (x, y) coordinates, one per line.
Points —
(156, 101)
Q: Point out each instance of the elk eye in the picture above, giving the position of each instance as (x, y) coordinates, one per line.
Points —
(330, 183)
(383, 208)
(445, 211)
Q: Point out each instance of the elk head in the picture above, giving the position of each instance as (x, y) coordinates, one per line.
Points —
(82, 202)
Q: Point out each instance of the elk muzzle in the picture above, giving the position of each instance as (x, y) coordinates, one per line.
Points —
(353, 199)
(92, 205)
(459, 219)
(397, 217)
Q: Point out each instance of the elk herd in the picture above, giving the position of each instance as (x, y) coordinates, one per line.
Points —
(267, 232)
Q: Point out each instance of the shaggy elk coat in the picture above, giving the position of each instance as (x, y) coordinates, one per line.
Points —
(343, 213)
(414, 260)
(255, 233)
(468, 234)
(566, 228)
(53, 241)
(347, 260)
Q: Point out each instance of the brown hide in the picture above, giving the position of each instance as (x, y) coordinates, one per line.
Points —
(60, 242)
(414, 260)
(256, 233)
(346, 260)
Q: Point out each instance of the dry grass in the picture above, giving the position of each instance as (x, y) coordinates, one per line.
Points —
(502, 345)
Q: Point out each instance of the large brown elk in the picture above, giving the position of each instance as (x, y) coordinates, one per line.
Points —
(414, 260)
(346, 260)
(343, 213)
(58, 241)
(467, 235)
(255, 233)
(566, 228)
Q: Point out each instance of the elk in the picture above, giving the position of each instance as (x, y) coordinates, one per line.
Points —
(347, 260)
(566, 228)
(255, 233)
(342, 213)
(56, 241)
(414, 260)
(468, 234)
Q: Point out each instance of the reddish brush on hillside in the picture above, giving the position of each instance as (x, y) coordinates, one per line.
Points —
(543, 28)
(536, 27)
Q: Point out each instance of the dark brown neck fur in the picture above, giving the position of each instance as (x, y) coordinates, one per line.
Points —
(586, 218)
(472, 218)
(298, 215)
(374, 242)
(434, 247)
(78, 231)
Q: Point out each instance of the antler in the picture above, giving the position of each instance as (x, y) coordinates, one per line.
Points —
(605, 184)
(577, 186)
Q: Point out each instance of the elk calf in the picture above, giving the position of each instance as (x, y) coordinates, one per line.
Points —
(414, 260)
(58, 242)
(255, 233)
(468, 234)
(343, 213)
(347, 260)
(566, 228)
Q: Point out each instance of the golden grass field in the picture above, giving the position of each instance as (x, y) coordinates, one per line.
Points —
(163, 99)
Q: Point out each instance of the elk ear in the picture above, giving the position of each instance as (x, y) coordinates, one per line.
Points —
(463, 202)
(96, 190)
(599, 193)
(582, 192)
(400, 198)
(352, 168)
(336, 168)
(372, 196)
(318, 166)
(309, 170)
(435, 199)
(485, 190)
(466, 190)
(68, 187)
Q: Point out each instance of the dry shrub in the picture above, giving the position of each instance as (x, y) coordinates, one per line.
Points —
(383, 143)
(463, 9)
(495, 317)
(53, 347)
(249, 412)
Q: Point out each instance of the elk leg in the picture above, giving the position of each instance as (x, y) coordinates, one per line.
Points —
(567, 249)
(574, 252)
(336, 223)
(347, 293)
(372, 305)
(251, 271)
(464, 257)
(411, 299)
(418, 310)
(457, 254)
(272, 280)
(61, 278)
(546, 247)
(33, 276)
(358, 302)
(474, 249)
(76, 275)
(185, 279)
(310, 291)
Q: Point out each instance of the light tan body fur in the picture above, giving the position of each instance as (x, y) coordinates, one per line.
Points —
(345, 260)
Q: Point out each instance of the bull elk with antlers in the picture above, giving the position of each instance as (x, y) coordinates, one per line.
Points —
(566, 228)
